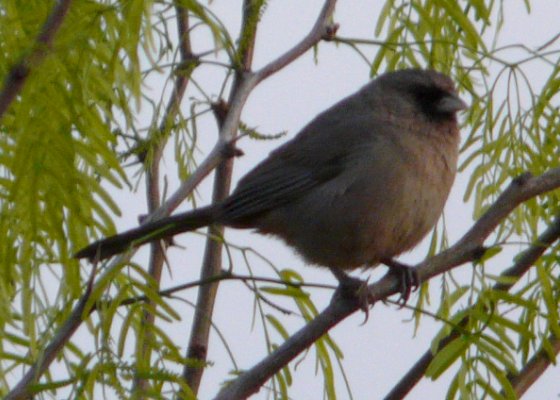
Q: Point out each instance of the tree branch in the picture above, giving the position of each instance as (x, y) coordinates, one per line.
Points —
(468, 248)
(321, 30)
(157, 254)
(523, 263)
(197, 348)
(18, 73)
(536, 366)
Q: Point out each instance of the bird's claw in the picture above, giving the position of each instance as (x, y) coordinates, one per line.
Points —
(355, 289)
(408, 279)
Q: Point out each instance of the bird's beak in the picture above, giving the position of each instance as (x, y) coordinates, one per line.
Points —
(451, 104)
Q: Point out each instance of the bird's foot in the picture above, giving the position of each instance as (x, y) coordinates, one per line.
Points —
(353, 288)
(408, 276)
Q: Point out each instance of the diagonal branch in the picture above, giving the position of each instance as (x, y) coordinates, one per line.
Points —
(18, 73)
(523, 263)
(535, 367)
(468, 248)
(321, 30)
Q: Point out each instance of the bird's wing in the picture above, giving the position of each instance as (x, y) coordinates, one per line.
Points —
(296, 167)
(273, 184)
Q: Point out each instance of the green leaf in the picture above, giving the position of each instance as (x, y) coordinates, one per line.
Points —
(288, 292)
(444, 358)
(277, 325)
(549, 300)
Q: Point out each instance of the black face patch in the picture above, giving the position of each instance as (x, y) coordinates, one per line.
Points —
(428, 100)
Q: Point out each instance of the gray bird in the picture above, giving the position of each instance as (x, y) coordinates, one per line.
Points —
(363, 182)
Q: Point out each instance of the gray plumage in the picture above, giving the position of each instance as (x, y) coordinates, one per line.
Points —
(364, 181)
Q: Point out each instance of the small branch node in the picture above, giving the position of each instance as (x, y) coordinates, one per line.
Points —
(330, 32)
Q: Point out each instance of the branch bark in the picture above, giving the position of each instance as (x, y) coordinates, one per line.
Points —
(524, 262)
(20, 72)
(536, 366)
(468, 248)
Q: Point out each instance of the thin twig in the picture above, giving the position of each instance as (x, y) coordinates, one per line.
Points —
(321, 30)
(223, 276)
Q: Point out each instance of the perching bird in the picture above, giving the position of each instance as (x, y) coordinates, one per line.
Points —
(363, 182)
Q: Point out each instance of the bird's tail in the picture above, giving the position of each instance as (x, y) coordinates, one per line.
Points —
(160, 229)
